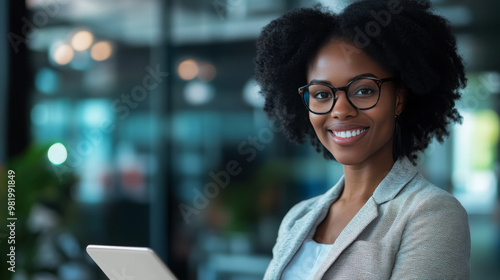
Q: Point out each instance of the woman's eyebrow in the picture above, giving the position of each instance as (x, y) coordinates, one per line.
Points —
(315, 81)
(355, 77)
(363, 75)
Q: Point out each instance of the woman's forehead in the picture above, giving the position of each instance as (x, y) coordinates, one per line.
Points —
(340, 61)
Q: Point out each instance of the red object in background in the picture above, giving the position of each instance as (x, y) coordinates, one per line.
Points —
(132, 179)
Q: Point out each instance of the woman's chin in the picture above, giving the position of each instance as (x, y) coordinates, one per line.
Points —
(347, 159)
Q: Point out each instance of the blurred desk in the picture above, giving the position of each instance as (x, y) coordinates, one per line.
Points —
(233, 267)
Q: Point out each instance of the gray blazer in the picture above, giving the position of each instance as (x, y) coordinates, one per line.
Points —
(408, 229)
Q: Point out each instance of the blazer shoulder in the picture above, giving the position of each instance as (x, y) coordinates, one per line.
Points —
(435, 240)
(299, 210)
(425, 195)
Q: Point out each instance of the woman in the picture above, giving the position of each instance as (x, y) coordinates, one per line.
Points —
(375, 84)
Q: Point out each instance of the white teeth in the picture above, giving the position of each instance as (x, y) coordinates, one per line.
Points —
(349, 133)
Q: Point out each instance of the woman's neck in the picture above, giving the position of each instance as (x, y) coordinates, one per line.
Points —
(362, 180)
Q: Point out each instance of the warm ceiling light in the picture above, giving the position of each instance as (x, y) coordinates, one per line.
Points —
(207, 72)
(82, 40)
(101, 51)
(188, 69)
(63, 54)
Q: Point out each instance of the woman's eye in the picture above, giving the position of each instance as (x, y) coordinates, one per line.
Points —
(322, 95)
(364, 91)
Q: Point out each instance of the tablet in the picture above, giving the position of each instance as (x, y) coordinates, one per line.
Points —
(129, 263)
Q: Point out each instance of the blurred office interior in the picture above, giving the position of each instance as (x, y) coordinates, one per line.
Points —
(138, 123)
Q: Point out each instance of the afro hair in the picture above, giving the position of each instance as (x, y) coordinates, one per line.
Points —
(404, 37)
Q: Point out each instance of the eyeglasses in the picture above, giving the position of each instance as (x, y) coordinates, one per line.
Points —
(362, 93)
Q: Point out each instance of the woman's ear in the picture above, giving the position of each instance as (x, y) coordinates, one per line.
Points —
(400, 100)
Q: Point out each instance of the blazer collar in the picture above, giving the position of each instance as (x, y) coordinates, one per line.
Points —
(303, 226)
(401, 173)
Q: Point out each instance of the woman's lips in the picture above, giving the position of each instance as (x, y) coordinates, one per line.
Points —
(347, 136)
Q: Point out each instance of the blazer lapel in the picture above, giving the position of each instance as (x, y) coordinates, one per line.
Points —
(361, 220)
(302, 226)
(296, 237)
(401, 173)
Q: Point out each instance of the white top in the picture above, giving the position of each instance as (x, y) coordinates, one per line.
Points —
(308, 258)
(306, 261)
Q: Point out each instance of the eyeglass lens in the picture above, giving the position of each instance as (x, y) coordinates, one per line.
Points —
(363, 94)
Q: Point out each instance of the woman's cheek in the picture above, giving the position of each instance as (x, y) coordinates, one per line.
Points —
(317, 121)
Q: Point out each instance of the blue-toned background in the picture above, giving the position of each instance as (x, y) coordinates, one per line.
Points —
(138, 123)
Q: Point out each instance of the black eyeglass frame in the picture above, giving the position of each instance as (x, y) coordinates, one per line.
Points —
(345, 89)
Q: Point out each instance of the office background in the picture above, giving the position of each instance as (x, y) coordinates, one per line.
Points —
(138, 123)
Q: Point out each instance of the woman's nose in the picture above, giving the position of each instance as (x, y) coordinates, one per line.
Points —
(342, 107)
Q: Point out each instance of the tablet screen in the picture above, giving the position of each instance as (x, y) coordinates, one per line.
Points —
(129, 263)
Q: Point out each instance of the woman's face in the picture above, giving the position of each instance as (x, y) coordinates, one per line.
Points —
(337, 63)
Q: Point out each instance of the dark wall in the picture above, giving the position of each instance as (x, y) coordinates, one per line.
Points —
(17, 128)
(4, 5)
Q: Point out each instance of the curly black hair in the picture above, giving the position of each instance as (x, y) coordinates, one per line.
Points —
(405, 37)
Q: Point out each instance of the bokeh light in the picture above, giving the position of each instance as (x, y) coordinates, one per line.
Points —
(82, 40)
(188, 69)
(46, 80)
(40, 114)
(252, 95)
(198, 93)
(207, 72)
(63, 54)
(101, 51)
(57, 154)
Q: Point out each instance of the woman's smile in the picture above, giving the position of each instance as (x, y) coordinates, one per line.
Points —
(346, 135)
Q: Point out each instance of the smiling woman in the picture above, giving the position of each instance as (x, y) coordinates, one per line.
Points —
(365, 107)
(372, 105)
